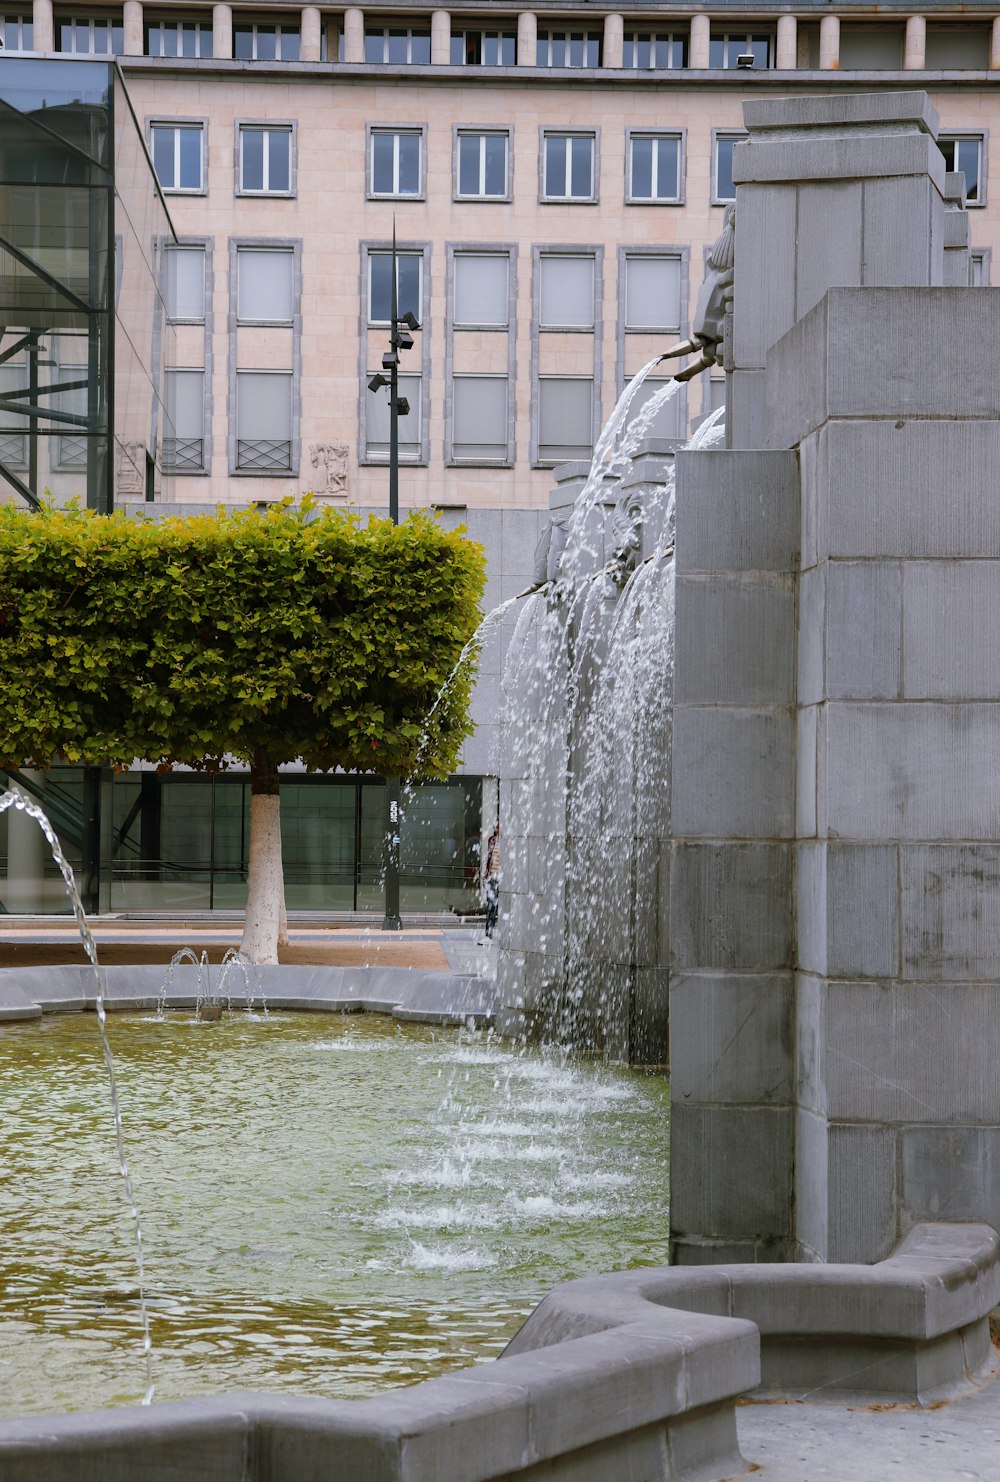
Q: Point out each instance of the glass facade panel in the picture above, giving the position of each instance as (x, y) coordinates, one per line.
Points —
(408, 285)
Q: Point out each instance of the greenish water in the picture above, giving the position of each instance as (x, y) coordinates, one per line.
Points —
(332, 1205)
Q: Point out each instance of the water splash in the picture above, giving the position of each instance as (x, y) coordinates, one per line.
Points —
(11, 799)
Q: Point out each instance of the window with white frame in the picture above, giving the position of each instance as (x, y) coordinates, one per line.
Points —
(265, 285)
(263, 421)
(654, 167)
(568, 49)
(377, 419)
(184, 284)
(568, 162)
(652, 291)
(655, 51)
(723, 145)
(566, 291)
(483, 48)
(565, 418)
(101, 37)
(395, 162)
(481, 290)
(481, 164)
(965, 152)
(13, 424)
(265, 159)
(184, 432)
(726, 47)
(409, 285)
(178, 155)
(479, 413)
(400, 45)
(178, 38)
(17, 33)
(255, 41)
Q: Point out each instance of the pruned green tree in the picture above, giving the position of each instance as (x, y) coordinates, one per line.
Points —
(259, 637)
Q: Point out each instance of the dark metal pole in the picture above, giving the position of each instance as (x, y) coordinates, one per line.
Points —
(392, 920)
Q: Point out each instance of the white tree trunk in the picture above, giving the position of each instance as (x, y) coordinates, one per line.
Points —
(265, 882)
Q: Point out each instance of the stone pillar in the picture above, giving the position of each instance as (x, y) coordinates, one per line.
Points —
(132, 37)
(995, 44)
(527, 39)
(701, 30)
(354, 35)
(957, 235)
(312, 34)
(614, 40)
(42, 22)
(440, 38)
(787, 43)
(829, 43)
(222, 32)
(915, 44)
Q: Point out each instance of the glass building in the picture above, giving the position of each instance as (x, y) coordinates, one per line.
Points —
(85, 351)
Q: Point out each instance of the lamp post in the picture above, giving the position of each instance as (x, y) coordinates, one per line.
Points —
(401, 327)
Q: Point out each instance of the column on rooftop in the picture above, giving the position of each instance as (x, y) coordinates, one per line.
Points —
(312, 33)
(701, 29)
(829, 43)
(788, 39)
(527, 38)
(44, 31)
(614, 40)
(915, 45)
(132, 40)
(354, 35)
(440, 38)
(222, 31)
(995, 43)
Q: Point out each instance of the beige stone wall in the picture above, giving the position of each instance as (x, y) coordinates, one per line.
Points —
(331, 214)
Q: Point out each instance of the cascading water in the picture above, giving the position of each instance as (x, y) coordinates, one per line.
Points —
(586, 762)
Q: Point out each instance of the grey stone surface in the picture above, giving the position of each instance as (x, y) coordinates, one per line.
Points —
(848, 909)
(863, 1193)
(811, 1185)
(737, 1036)
(912, 110)
(731, 773)
(731, 1172)
(739, 512)
(730, 906)
(951, 911)
(951, 615)
(734, 640)
(863, 630)
(950, 1173)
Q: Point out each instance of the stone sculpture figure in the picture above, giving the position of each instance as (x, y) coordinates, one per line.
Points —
(715, 301)
(332, 458)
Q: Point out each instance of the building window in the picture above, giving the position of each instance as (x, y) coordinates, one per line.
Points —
(184, 278)
(654, 167)
(13, 426)
(726, 47)
(69, 450)
(377, 420)
(566, 291)
(655, 52)
(184, 433)
(178, 39)
(957, 48)
(409, 285)
(479, 426)
(264, 421)
(99, 38)
(723, 188)
(652, 292)
(395, 163)
(481, 165)
(265, 159)
(17, 33)
(401, 45)
(253, 42)
(565, 418)
(965, 152)
(481, 290)
(568, 172)
(178, 154)
(483, 48)
(265, 285)
(568, 49)
(871, 47)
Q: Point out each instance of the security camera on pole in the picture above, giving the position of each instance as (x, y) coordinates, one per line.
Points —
(400, 338)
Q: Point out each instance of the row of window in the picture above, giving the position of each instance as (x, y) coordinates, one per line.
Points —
(482, 163)
(568, 294)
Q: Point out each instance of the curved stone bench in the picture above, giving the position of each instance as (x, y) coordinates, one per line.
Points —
(635, 1374)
